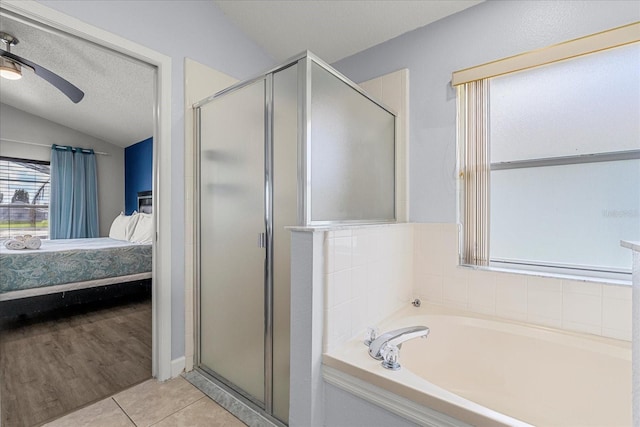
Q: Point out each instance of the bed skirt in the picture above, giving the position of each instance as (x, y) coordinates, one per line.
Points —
(25, 293)
(85, 298)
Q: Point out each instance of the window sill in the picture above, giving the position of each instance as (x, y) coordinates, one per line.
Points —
(559, 276)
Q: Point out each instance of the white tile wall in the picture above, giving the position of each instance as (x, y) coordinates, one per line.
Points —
(582, 306)
(596, 308)
(511, 296)
(544, 298)
(616, 311)
(373, 271)
(369, 275)
(482, 292)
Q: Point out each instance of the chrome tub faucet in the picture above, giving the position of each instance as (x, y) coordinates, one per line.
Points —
(386, 346)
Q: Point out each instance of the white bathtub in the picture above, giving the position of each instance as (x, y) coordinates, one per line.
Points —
(487, 372)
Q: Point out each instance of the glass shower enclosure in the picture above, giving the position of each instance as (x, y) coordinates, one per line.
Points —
(300, 145)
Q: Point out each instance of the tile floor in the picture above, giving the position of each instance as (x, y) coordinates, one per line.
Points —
(174, 403)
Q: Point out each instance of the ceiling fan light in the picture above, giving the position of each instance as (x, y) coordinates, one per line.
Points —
(10, 70)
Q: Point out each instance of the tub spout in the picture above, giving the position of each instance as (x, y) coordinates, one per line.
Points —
(396, 338)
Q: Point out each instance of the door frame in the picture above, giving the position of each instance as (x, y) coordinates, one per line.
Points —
(161, 269)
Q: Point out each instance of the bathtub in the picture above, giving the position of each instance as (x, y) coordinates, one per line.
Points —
(489, 372)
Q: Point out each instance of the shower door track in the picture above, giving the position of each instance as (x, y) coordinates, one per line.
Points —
(236, 394)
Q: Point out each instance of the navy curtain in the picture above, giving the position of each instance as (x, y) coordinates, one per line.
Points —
(73, 204)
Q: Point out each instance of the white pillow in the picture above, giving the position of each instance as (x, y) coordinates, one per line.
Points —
(122, 227)
(143, 232)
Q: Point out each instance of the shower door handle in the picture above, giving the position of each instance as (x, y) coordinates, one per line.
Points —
(262, 240)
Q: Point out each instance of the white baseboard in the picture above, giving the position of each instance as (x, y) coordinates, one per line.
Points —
(177, 366)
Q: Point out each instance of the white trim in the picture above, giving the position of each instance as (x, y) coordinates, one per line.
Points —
(65, 287)
(161, 299)
(177, 366)
(401, 406)
(603, 40)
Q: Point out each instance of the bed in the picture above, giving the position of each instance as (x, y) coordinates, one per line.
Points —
(70, 264)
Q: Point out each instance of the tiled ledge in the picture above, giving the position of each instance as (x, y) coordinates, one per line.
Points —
(341, 227)
(634, 246)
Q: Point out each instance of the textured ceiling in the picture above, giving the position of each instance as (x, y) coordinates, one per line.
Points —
(332, 29)
(119, 91)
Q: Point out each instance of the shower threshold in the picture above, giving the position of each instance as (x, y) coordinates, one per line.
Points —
(246, 412)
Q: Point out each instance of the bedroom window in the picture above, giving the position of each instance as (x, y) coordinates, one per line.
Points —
(24, 197)
(550, 163)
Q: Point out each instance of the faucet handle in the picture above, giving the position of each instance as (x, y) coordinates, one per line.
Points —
(390, 357)
(370, 335)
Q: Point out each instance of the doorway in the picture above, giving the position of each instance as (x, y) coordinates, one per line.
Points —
(160, 303)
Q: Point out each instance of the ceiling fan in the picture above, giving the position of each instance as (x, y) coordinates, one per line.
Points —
(11, 68)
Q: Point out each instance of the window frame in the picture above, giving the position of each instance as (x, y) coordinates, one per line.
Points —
(33, 206)
(473, 146)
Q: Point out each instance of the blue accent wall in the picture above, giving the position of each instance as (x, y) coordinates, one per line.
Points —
(138, 172)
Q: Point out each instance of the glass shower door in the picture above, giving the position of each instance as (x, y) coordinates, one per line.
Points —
(232, 220)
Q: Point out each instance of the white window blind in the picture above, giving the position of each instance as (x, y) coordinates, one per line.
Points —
(474, 170)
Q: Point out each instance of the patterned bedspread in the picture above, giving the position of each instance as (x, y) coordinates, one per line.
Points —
(71, 260)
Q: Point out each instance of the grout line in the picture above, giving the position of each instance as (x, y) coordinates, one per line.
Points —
(179, 410)
(122, 409)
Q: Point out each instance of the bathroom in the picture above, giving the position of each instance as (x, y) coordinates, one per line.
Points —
(346, 277)
(421, 257)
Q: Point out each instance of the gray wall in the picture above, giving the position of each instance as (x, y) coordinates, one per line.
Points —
(486, 32)
(179, 29)
(22, 126)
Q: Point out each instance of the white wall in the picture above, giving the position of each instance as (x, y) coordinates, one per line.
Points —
(18, 125)
(179, 29)
(482, 33)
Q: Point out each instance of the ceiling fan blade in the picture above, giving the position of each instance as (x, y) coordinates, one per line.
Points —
(63, 85)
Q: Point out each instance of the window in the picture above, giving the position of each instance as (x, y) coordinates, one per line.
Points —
(24, 197)
(550, 164)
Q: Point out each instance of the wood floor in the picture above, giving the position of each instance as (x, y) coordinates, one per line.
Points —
(54, 364)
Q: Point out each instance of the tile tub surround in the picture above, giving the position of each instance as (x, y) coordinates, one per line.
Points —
(367, 277)
(372, 271)
(575, 305)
